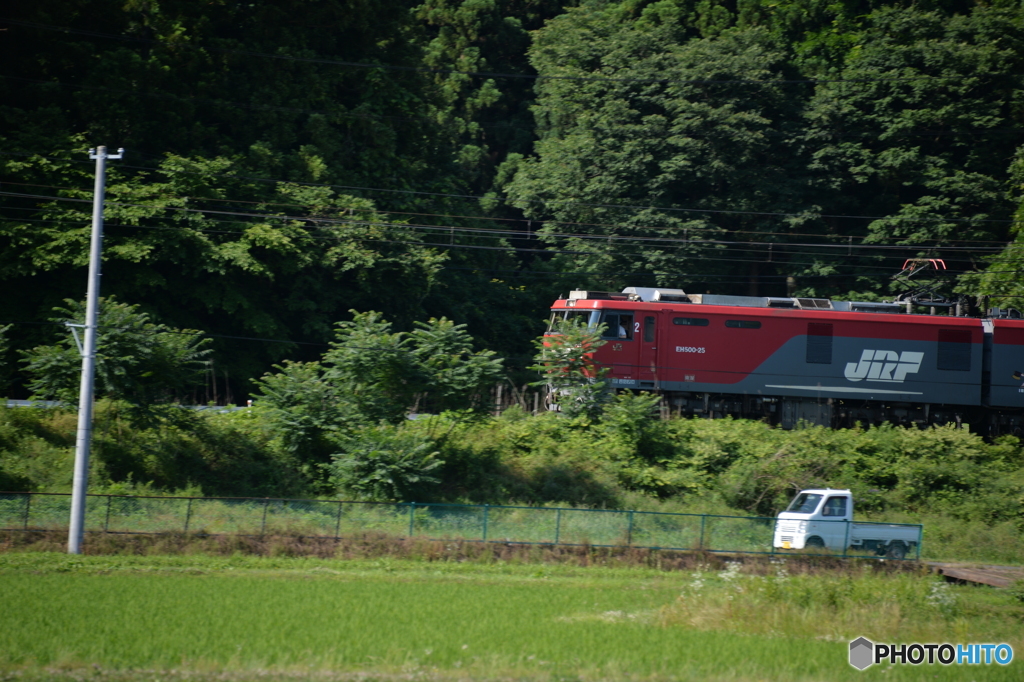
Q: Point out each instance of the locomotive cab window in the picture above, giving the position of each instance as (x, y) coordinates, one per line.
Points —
(619, 325)
(743, 324)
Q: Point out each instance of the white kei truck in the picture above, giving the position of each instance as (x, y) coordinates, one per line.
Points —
(824, 519)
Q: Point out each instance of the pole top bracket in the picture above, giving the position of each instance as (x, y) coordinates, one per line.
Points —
(118, 155)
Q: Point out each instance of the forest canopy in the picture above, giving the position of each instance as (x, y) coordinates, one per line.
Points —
(289, 162)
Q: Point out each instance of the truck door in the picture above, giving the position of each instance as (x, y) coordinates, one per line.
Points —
(648, 355)
(834, 521)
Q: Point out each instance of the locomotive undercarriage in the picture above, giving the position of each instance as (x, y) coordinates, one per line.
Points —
(789, 412)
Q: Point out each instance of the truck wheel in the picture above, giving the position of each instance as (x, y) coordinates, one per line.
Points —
(896, 550)
(814, 541)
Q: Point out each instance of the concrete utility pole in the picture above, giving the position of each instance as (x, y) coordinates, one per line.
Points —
(81, 483)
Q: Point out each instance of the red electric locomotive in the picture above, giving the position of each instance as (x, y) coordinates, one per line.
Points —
(820, 361)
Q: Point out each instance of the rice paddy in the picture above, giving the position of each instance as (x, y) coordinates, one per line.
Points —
(136, 617)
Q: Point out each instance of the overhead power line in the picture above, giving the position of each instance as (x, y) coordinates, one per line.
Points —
(782, 248)
(861, 270)
(519, 234)
(632, 207)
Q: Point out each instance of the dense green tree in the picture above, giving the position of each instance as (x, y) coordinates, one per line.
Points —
(220, 106)
(304, 411)
(5, 349)
(275, 82)
(643, 128)
(374, 368)
(384, 463)
(383, 372)
(372, 375)
(489, 115)
(565, 363)
(291, 160)
(702, 144)
(137, 360)
(1002, 280)
(203, 247)
(914, 128)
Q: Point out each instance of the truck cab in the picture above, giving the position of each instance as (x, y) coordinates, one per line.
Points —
(823, 518)
(816, 518)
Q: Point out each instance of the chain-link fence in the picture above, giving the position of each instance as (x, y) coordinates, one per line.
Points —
(478, 523)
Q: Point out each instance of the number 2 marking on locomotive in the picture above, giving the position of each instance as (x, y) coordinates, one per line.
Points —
(636, 327)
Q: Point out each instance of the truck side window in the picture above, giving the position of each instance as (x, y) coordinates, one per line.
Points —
(834, 506)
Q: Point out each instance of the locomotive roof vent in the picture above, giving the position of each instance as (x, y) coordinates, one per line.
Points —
(649, 294)
(814, 303)
(868, 307)
(739, 301)
(775, 302)
(599, 295)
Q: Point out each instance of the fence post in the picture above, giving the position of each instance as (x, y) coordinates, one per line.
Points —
(28, 507)
(703, 517)
(412, 510)
(629, 531)
(263, 525)
(558, 523)
(188, 514)
(486, 509)
(337, 526)
(106, 521)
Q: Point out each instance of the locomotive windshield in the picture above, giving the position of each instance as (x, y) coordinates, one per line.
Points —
(805, 503)
(588, 318)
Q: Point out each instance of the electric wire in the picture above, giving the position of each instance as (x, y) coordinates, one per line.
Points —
(783, 247)
(660, 242)
(544, 231)
(620, 206)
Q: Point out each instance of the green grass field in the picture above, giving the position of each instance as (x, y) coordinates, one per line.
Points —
(242, 617)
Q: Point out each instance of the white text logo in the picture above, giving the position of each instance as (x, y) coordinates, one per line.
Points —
(884, 365)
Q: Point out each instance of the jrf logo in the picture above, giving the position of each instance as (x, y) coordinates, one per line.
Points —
(886, 366)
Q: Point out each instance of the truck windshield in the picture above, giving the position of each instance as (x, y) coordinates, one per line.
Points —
(805, 503)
